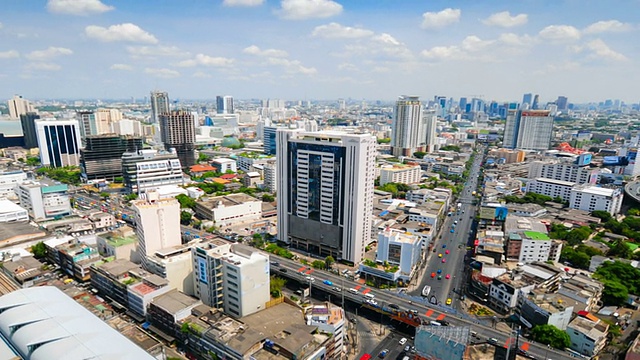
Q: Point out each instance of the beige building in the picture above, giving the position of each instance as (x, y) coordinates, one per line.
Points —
(229, 210)
(400, 173)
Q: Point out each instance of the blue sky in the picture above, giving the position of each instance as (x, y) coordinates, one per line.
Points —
(320, 49)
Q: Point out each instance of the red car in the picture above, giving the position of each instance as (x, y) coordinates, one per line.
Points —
(447, 252)
(444, 260)
(433, 275)
(448, 276)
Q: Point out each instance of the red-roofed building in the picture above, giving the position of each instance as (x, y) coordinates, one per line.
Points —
(198, 170)
(229, 176)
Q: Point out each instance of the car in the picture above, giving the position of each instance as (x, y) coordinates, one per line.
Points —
(309, 278)
(444, 260)
(407, 349)
(444, 246)
(337, 289)
(283, 270)
(452, 231)
(394, 306)
(439, 271)
(447, 251)
(402, 341)
(354, 320)
(463, 297)
(372, 302)
(383, 353)
(448, 301)
(440, 255)
(433, 275)
(439, 277)
(275, 263)
(327, 282)
(492, 341)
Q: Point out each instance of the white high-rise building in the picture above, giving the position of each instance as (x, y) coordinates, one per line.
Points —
(590, 198)
(58, 142)
(528, 130)
(431, 122)
(159, 105)
(19, 106)
(157, 224)
(232, 277)
(565, 170)
(325, 191)
(409, 131)
(224, 104)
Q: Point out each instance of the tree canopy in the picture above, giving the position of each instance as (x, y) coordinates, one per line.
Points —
(450, 148)
(39, 250)
(528, 198)
(616, 276)
(186, 202)
(551, 335)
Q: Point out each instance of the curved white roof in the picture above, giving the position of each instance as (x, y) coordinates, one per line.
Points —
(44, 323)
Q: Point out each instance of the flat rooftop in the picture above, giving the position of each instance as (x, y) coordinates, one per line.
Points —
(228, 200)
(174, 301)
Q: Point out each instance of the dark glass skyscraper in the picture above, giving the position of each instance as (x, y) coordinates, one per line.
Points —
(28, 122)
(179, 132)
(102, 156)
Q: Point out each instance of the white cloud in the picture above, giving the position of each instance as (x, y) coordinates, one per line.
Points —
(436, 20)
(201, 74)
(154, 51)
(162, 72)
(10, 54)
(599, 49)
(387, 39)
(77, 7)
(206, 60)
(44, 66)
(255, 50)
(347, 67)
(442, 53)
(554, 68)
(121, 32)
(607, 27)
(516, 40)
(48, 54)
(471, 48)
(560, 33)
(504, 19)
(337, 31)
(308, 9)
(246, 3)
(474, 43)
(292, 66)
(124, 67)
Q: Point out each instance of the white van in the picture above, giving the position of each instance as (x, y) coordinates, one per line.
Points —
(353, 290)
(369, 296)
(435, 323)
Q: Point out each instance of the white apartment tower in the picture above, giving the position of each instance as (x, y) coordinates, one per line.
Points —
(591, 198)
(157, 224)
(409, 132)
(159, 105)
(325, 191)
(232, 277)
(565, 170)
(58, 142)
(528, 130)
(19, 106)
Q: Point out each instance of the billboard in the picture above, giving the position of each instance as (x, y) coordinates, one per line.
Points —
(584, 159)
(615, 161)
(494, 213)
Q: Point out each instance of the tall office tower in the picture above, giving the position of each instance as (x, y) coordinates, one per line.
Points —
(233, 277)
(528, 130)
(58, 142)
(157, 224)
(463, 104)
(325, 191)
(19, 106)
(408, 132)
(178, 132)
(101, 157)
(28, 122)
(224, 104)
(159, 105)
(87, 121)
(527, 99)
(562, 103)
(431, 122)
(477, 105)
(534, 104)
(269, 140)
(342, 104)
(104, 119)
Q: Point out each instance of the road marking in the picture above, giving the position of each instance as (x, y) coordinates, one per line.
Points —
(366, 291)
(525, 346)
(429, 313)
(441, 317)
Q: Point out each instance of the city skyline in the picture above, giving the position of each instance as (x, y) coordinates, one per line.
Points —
(319, 49)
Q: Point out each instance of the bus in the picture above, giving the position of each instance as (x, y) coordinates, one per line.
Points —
(365, 357)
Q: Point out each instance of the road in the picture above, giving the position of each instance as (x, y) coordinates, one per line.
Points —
(455, 243)
(384, 298)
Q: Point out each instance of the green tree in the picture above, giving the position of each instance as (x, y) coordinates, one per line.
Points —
(551, 335)
(450, 148)
(104, 195)
(275, 286)
(614, 293)
(622, 273)
(621, 250)
(33, 161)
(185, 217)
(577, 259)
(602, 215)
(186, 202)
(329, 261)
(268, 198)
(203, 157)
(419, 154)
(39, 250)
(577, 236)
(257, 240)
(118, 179)
(318, 264)
(131, 196)
(384, 141)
